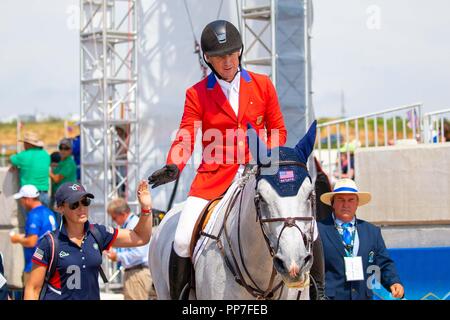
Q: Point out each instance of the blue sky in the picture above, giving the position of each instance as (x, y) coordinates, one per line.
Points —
(380, 53)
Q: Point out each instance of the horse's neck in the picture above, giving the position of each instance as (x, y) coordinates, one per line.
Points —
(247, 232)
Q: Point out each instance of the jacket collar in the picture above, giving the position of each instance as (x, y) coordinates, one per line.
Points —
(333, 235)
(214, 89)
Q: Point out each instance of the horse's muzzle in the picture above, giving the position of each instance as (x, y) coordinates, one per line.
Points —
(294, 275)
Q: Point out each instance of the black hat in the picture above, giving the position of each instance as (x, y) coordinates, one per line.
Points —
(71, 192)
(219, 38)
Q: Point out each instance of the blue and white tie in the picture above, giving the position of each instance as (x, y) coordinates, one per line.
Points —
(346, 234)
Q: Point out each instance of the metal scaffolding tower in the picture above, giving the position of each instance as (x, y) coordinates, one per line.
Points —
(109, 106)
(276, 36)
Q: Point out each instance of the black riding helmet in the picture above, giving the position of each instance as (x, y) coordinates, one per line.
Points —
(220, 38)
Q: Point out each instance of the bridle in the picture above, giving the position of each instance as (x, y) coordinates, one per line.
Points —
(289, 222)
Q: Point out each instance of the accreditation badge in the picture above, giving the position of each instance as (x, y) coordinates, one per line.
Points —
(354, 268)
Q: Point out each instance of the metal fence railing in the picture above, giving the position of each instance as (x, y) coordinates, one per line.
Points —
(437, 126)
(338, 139)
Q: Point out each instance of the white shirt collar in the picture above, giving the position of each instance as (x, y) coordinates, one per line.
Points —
(340, 222)
(130, 216)
(234, 84)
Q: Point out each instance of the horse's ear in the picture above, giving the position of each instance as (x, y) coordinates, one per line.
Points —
(258, 149)
(306, 145)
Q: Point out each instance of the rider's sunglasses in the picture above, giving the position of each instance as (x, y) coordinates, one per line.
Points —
(64, 148)
(85, 202)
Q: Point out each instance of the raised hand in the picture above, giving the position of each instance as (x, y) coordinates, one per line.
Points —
(144, 196)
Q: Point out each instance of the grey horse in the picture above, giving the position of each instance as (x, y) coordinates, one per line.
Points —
(258, 243)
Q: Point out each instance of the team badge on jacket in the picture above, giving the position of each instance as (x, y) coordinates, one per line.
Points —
(259, 120)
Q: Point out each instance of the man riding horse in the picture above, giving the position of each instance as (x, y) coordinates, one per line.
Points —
(223, 103)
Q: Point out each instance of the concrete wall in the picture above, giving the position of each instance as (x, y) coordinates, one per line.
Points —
(410, 185)
(9, 221)
(14, 259)
(9, 184)
(416, 236)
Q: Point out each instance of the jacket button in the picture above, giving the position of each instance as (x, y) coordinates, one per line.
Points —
(241, 143)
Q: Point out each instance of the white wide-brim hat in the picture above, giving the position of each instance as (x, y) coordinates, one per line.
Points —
(346, 186)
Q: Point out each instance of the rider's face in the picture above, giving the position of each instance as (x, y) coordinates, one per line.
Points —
(226, 65)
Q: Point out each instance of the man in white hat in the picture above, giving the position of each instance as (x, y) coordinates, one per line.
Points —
(34, 165)
(40, 219)
(354, 249)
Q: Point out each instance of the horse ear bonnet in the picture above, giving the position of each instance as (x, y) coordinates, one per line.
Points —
(288, 180)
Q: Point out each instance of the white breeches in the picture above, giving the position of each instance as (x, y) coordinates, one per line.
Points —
(192, 209)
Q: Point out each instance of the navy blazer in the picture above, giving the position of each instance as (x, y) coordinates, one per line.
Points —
(4, 288)
(373, 252)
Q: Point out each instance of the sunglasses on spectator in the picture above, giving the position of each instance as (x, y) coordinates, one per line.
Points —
(85, 202)
(64, 148)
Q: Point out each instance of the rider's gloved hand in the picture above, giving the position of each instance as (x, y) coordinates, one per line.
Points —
(166, 174)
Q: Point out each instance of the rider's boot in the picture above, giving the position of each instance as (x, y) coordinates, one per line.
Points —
(317, 287)
(179, 276)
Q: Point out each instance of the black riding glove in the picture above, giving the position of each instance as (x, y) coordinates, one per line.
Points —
(166, 174)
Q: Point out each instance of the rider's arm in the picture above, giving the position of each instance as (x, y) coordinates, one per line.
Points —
(183, 145)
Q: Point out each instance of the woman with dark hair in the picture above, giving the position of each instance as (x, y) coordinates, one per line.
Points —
(67, 262)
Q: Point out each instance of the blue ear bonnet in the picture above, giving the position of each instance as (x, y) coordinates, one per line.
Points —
(289, 178)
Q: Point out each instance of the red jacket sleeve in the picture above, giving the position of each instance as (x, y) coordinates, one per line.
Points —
(183, 145)
(276, 130)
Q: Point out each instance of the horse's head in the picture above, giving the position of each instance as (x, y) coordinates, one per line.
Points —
(284, 204)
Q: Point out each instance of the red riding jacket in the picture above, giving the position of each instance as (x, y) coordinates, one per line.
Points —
(224, 141)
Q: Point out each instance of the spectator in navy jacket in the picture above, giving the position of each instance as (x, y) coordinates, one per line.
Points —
(354, 249)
